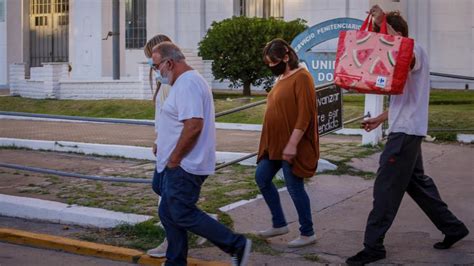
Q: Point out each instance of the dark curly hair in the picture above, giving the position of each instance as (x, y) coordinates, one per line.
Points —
(397, 22)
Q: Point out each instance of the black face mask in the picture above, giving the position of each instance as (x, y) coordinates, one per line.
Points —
(278, 69)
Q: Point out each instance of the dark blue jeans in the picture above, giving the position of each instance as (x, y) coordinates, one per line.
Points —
(178, 213)
(266, 170)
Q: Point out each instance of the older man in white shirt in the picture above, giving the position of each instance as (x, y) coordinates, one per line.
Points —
(186, 156)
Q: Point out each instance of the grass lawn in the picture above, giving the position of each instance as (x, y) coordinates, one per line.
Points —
(452, 109)
(135, 109)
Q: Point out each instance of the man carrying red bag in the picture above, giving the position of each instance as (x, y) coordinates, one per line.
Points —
(401, 165)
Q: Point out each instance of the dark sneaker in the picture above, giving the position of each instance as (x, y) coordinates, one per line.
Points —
(241, 257)
(364, 257)
(450, 240)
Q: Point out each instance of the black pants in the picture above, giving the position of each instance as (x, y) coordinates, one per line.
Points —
(400, 170)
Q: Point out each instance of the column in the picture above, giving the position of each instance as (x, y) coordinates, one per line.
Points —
(85, 38)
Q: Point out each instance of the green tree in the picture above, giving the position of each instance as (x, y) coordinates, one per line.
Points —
(236, 44)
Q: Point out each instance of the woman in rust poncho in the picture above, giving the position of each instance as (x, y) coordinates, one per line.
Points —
(289, 140)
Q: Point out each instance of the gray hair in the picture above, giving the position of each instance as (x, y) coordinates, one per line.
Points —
(169, 50)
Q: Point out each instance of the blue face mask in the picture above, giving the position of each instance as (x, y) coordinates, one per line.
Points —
(160, 78)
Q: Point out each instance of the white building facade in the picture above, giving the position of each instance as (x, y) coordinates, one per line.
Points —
(33, 32)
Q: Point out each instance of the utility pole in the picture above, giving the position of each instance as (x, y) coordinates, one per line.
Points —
(116, 39)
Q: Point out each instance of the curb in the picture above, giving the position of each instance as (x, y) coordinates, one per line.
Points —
(126, 151)
(132, 152)
(57, 212)
(88, 248)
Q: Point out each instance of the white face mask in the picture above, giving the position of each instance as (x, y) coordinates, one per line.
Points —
(160, 78)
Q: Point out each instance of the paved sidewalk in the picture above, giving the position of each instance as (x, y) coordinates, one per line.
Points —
(341, 204)
(133, 135)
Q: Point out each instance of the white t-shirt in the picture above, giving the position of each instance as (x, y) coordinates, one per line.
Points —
(408, 112)
(160, 99)
(189, 97)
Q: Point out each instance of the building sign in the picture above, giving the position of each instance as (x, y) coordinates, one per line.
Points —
(321, 66)
(329, 101)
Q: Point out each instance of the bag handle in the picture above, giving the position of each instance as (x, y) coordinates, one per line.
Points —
(368, 22)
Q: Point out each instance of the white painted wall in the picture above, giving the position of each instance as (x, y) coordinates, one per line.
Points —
(185, 21)
(153, 19)
(3, 45)
(51, 81)
(316, 11)
(189, 22)
(452, 40)
(132, 58)
(85, 38)
(13, 38)
(217, 10)
(100, 89)
(163, 19)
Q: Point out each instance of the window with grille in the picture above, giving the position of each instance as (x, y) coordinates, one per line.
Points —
(41, 21)
(135, 24)
(262, 8)
(49, 31)
(40, 7)
(63, 20)
(62, 6)
(2, 10)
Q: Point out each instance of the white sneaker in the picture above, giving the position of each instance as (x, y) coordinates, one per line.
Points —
(201, 240)
(429, 138)
(302, 241)
(159, 251)
(273, 232)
